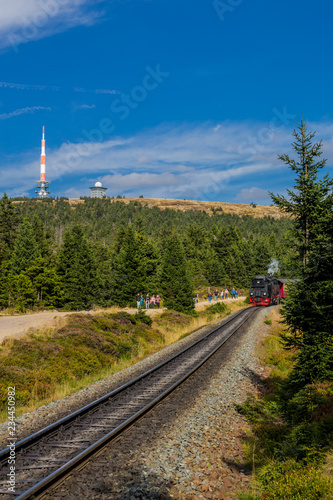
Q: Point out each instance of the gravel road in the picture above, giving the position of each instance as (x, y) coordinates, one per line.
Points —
(17, 326)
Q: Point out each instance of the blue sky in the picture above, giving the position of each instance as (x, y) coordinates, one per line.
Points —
(162, 98)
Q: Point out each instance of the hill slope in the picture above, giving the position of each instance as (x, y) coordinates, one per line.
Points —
(206, 206)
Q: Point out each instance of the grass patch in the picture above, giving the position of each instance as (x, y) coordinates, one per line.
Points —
(290, 447)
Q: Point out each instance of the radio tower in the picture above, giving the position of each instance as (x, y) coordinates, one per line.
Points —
(42, 184)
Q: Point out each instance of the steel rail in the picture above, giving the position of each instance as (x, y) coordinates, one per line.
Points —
(65, 422)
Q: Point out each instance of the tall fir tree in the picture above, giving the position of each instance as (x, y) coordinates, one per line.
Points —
(129, 269)
(9, 222)
(175, 281)
(309, 201)
(77, 270)
(308, 311)
(25, 248)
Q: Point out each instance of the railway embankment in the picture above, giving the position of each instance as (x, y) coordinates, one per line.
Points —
(199, 444)
(190, 446)
(50, 364)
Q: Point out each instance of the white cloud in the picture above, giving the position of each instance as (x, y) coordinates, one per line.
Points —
(187, 161)
(22, 21)
(22, 111)
(253, 194)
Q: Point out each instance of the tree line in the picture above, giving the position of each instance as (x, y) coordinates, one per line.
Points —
(103, 253)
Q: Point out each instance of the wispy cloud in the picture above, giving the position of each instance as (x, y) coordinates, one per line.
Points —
(23, 111)
(53, 88)
(200, 161)
(23, 86)
(106, 91)
(85, 106)
(23, 21)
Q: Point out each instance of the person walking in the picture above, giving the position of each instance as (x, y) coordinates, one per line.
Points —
(209, 297)
(138, 300)
(216, 294)
(236, 294)
(141, 300)
(158, 301)
(226, 291)
(152, 301)
(233, 293)
(147, 301)
(222, 294)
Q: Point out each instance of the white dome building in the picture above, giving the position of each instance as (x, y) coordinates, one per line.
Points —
(98, 191)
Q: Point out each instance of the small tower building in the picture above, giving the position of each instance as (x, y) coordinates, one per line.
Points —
(98, 191)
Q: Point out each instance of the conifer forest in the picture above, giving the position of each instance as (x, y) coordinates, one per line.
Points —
(101, 253)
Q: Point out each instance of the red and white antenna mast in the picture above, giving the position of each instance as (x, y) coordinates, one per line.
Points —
(42, 184)
(42, 158)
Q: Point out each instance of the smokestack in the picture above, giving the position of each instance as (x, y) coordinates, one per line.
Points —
(42, 158)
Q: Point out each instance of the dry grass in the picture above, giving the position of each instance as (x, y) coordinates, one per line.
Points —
(172, 335)
(328, 465)
(206, 206)
(184, 205)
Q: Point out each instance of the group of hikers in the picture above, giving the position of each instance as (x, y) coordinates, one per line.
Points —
(155, 300)
(148, 301)
(224, 294)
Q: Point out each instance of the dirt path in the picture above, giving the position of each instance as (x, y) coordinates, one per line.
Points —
(16, 326)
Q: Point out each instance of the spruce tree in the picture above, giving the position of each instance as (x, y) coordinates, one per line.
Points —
(308, 311)
(9, 221)
(175, 281)
(309, 202)
(25, 248)
(46, 283)
(77, 270)
(129, 269)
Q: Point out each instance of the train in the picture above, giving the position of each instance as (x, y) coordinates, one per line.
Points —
(266, 291)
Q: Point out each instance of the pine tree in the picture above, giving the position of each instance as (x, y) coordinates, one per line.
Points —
(46, 283)
(9, 221)
(129, 270)
(25, 248)
(42, 238)
(310, 200)
(308, 311)
(175, 281)
(78, 271)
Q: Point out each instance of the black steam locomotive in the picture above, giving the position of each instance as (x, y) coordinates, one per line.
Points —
(264, 291)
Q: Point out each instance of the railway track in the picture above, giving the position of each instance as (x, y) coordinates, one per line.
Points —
(48, 455)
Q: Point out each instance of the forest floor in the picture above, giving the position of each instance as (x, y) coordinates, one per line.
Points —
(18, 325)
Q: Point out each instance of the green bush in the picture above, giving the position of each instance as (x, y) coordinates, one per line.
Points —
(293, 482)
(142, 317)
(268, 321)
(218, 308)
